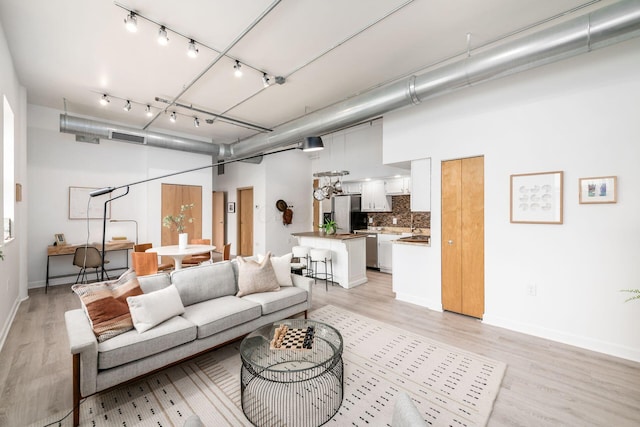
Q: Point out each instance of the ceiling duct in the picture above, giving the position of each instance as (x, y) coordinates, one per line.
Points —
(91, 130)
(603, 27)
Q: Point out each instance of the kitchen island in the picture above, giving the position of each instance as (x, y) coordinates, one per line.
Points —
(348, 253)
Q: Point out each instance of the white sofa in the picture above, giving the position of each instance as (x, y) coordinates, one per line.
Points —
(213, 317)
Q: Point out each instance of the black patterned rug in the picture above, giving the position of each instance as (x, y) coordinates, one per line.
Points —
(449, 386)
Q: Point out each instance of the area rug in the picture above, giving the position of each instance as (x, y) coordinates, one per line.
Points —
(449, 386)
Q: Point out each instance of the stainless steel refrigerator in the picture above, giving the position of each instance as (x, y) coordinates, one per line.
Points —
(346, 213)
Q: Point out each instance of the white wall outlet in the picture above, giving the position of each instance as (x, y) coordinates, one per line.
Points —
(370, 220)
(395, 221)
(532, 289)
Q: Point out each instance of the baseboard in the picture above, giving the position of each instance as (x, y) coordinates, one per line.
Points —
(586, 343)
(423, 302)
(4, 333)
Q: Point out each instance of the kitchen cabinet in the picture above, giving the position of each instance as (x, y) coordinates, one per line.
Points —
(374, 198)
(351, 188)
(421, 185)
(394, 186)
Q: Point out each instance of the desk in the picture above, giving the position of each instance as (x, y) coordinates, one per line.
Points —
(178, 254)
(71, 250)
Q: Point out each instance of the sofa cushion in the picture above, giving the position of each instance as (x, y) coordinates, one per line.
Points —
(282, 267)
(256, 276)
(149, 310)
(132, 346)
(105, 304)
(220, 314)
(154, 282)
(204, 282)
(271, 302)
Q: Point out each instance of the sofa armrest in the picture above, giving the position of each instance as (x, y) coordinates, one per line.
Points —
(305, 283)
(83, 342)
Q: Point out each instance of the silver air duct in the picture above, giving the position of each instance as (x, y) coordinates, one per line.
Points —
(609, 25)
(91, 130)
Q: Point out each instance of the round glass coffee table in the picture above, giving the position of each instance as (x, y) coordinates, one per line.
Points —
(292, 386)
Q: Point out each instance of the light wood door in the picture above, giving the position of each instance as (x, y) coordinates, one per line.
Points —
(218, 220)
(245, 221)
(463, 236)
(174, 196)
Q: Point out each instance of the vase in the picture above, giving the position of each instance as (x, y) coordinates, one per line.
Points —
(183, 238)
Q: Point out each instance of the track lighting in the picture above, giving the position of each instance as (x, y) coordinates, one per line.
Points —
(238, 71)
(131, 22)
(162, 36)
(193, 50)
(104, 100)
(148, 111)
(265, 80)
(127, 106)
(196, 122)
(173, 117)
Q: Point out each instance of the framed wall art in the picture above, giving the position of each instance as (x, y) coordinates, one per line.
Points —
(536, 198)
(83, 206)
(600, 189)
(231, 207)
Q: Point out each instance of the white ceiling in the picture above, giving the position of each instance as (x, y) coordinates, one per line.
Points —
(327, 50)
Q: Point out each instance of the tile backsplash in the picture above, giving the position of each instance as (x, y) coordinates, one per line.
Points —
(401, 206)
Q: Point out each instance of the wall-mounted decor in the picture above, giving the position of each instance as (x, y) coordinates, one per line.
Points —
(82, 206)
(599, 189)
(536, 198)
(231, 207)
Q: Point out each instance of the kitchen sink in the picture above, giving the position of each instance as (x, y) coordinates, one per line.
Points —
(418, 238)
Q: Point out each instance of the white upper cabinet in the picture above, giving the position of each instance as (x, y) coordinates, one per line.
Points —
(421, 185)
(352, 188)
(374, 197)
(395, 186)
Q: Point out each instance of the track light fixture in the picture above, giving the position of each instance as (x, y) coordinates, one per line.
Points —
(193, 50)
(265, 80)
(147, 111)
(196, 122)
(163, 40)
(104, 100)
(127, 106)
(173, 117)
(131, 22)
(238, 71)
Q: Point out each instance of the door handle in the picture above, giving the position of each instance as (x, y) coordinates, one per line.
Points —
(450, 242)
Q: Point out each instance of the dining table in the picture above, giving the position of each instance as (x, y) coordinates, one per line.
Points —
(178, 254)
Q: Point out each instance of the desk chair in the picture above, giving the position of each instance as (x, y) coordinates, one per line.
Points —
(144, 263)
(88, 257)
(142, 247)
(197, 259)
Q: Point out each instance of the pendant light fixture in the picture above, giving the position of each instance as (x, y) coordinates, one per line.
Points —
(312, 143)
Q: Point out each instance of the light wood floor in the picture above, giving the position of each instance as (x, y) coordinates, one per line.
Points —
(546, 383)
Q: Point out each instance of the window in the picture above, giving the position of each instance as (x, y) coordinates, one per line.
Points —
(9, 187)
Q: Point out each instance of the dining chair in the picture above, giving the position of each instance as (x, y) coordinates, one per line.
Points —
(197, 259)
(223, 255)
(144, 263)
(142, 247)
(88, 257)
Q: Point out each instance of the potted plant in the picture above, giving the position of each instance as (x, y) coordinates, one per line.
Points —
(329, 226)
(178, 222)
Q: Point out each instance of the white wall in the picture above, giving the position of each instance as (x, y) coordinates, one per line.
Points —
(579, 116)
(56, 162)
(13, 270)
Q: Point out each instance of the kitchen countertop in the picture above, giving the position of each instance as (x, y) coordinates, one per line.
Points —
(395, 230)
(337, 236)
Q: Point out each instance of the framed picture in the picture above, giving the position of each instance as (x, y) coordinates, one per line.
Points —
(231, 207)
(60, 241)
(536, 198)
(600, 189)
(82, 206)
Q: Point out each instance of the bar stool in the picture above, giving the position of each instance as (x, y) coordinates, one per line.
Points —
(323, 256)
(302, 253)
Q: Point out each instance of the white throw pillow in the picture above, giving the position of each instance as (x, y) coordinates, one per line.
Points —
(282, 268)
(149, 310)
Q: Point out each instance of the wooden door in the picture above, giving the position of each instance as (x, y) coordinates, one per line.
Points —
(463, 236)
(173, 196)
(245, 221)
(218, 220)
(316, 207)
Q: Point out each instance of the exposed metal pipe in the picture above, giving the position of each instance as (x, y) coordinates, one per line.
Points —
(92, 129)
(603, 27)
